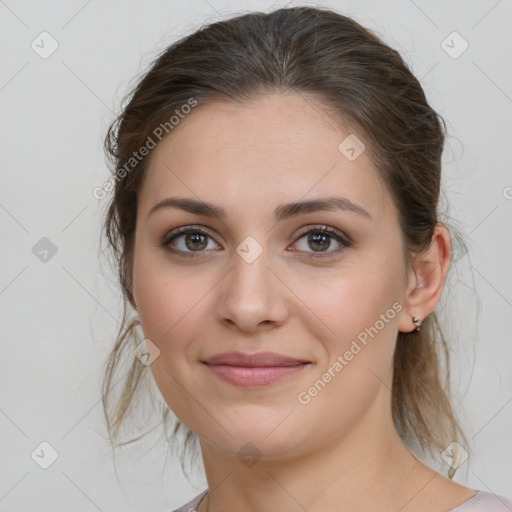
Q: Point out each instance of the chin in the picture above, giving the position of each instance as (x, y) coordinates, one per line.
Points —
(256, 437)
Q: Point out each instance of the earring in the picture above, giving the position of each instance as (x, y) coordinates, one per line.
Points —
(417, 322)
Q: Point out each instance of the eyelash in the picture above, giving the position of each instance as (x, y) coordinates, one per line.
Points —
(320, 229)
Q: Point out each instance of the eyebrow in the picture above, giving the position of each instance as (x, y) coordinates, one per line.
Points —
(281, 212)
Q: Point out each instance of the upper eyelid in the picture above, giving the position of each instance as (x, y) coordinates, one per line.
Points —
(323, 228)
(183, 230)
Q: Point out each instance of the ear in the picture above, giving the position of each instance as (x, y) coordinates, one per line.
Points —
(426, 280)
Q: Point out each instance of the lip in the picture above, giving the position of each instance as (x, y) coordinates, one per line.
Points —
(258, 359)
(252, 377)
(254, 370)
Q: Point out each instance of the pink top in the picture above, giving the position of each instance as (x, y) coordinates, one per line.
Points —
(480, 502)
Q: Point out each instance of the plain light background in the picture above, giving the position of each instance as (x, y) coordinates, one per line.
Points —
(59, 316)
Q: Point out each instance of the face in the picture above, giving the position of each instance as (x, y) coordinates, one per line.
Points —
(323, 286)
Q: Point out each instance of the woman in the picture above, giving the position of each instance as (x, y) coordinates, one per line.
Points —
(275, 221)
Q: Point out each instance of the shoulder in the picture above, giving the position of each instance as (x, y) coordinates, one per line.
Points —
(481, 502)
(485, 502)
(191, 506)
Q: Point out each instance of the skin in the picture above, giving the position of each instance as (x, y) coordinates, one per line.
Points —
(341, 450)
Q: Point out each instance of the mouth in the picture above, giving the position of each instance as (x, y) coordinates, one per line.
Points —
(254, 376)
(254, 370)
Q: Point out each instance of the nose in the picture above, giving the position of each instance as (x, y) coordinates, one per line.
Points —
(251, 296)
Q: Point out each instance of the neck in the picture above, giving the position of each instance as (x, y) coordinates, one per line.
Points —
(366, 468)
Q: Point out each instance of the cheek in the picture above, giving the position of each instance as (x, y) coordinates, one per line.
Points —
(355, 298)
(161, 307)
(168, 306)
(360, 309)
(172, 301)
(157, 299)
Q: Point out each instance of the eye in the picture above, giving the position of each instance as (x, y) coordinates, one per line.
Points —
(319, 239)
(185, 240)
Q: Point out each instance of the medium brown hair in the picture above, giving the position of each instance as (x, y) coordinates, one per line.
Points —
(364, 83)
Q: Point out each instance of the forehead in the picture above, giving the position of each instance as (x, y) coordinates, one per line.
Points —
(273, 149)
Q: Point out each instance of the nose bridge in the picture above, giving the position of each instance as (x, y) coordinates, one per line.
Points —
(249, 280)
(251, 294)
